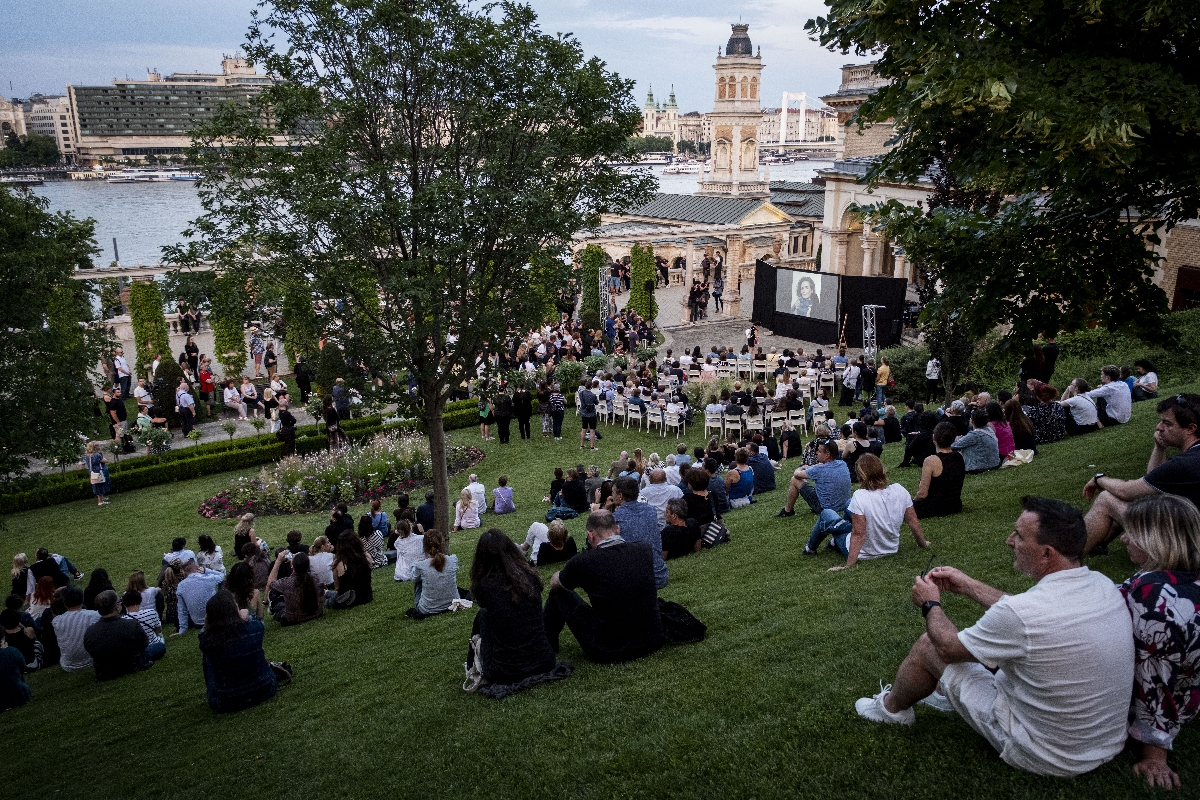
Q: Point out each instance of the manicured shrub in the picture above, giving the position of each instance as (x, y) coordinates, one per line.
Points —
(641, 275)
(591, 261)
(149, 325)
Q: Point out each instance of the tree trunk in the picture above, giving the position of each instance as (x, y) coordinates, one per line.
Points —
(435, 404)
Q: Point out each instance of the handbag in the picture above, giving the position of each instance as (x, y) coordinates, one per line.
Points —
(95, 475)
(473, 667)
(716, 533)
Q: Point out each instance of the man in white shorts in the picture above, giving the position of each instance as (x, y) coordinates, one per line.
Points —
(1045, 676)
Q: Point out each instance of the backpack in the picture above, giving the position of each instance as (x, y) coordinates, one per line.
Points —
(588, 408)
(561, 512)
(680, 626)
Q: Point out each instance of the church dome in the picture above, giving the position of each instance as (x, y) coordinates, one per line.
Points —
(739, 42)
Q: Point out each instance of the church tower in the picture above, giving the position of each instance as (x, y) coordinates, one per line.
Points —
(649, 114)
(735, 117)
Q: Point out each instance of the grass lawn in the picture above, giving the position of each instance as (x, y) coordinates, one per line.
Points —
(764, 707)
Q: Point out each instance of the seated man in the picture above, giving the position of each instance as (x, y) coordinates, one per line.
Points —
(478, 493)
(1178, 426)
(681, 536)
(1045, 675)
(193, 593)
(830, 483)
(639, 523)
(1119, 402)
(716, 485)
(764, 472)
(70, 629)
(116, 644)
(622, 623)
(875, 513)
(980, 449)
(658, 493)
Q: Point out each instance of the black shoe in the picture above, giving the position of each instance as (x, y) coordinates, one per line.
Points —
(829, 545)
(1099, 550)
(807, 552)
(783, 512)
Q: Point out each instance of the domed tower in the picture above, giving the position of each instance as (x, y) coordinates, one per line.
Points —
(735, 117)
(649, 114)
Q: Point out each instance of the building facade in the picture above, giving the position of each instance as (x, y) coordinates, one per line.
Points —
(12, 120)
(859, 82)
(736, 115)
(134, 119)
(51, 116)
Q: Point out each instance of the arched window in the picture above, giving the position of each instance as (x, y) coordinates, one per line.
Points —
(721, 89)
(745, 86)
(754, 88)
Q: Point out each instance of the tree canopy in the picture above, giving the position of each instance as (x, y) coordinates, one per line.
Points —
(1061, 138)
(46, 353)
(33, 150)
(438, 162)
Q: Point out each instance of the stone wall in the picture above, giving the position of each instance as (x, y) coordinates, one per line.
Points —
(869, 141)
(1183, 250)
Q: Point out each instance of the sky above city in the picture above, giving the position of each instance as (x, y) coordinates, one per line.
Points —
(656, 43)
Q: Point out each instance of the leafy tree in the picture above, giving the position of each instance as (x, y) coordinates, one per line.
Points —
(149, 324)
(650, 144)
(641, 282)
(166, 380)
(444, 158)
(1077, 111)
(33, 150)
(591, 260)
(300, 328)
(47, 353)
(229, 300)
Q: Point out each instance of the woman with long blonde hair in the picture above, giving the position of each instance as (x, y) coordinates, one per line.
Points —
(466, 515)
(20, 576)
(97, 467)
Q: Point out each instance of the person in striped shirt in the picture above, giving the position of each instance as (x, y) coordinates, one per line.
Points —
(69, 628)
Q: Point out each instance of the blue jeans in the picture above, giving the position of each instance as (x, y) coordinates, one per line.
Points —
(831, 523)
(880, 401)
(154, 651)
(556, 418)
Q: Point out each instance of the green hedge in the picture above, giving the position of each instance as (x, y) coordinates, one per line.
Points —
(208, 459)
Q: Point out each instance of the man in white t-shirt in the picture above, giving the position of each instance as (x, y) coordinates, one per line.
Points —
(657, 493)
(1115, 391)
(478, 493)
(876, 512)
(538, 535)
(1044, 675)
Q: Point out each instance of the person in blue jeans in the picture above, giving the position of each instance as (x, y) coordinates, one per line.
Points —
(824, 485)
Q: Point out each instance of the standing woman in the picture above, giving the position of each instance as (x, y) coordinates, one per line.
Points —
(236, 672)
(486, 417)
(333, 424)
(523, 410)
(303, 378)
(193, 355)
(207, 384)
(543, 398)
(97, 468)
(751, 337)
(510, 625)
(503, 409)
(257, 348)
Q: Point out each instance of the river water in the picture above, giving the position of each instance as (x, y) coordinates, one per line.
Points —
(145, 217)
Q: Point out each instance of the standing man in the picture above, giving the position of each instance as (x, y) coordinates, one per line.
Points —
(1044, 675)
(933, 374)
(287, 429)
(1050, 353)
(121, 372)
(849, 384)
(522, 405)
(271, 361)
(1178, 426)
(303, 379)
(587, 414)
(117, 414)
(185, 405)
(502, 408)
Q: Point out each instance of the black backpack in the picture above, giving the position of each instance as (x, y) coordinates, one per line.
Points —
(588, 409)
(680, 626)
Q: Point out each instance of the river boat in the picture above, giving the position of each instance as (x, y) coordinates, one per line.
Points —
(21, 180)
(144, 175)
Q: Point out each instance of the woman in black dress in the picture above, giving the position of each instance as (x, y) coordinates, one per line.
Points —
(522, 405)
(510, 624)
(193, 355)
(333, 425)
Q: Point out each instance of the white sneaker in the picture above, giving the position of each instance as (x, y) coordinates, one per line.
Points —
(939, 702)
(872, 708)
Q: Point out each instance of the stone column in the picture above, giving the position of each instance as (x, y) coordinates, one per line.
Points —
(839, 241)
(869, 245)
(685, 316)
(901, 270)
(732, 298)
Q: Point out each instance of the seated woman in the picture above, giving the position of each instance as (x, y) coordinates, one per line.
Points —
(701, 503)
(920, 446)
(250, 395)
(555, 487)
(557, 548)
(871, 526)
(681, 536)
(819, 403)
(574, 493)
(979, 447)
(502, 497)
(410, 548)
(373, 542)
(790, 443)
(351, 575)
(942, 474)
(1004, 433)
(1021, 426)
(435, 579)
(236, 671)
(1145, 386)
(739, 480)
(1162, 534)
(232, 399)
(1048, 417)
(299, 597)
(209, 555)
(240, 582)
(510, 625)
(859, 445)
(465, 514)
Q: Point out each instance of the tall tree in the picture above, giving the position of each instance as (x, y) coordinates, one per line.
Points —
(592, 260)
(1078, 112)
(641, 282)
(47, 354)
(441, 159)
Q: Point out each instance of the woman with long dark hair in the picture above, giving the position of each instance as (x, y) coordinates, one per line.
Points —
(99, 582)
(299, 597)
(236, 671)
(513, 643)
(373, 542)
(351, 575)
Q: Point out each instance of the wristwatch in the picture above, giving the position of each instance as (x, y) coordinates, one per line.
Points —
(927, 606)
(1096, 478)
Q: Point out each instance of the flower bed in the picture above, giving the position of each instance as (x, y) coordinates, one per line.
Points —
(390, 463)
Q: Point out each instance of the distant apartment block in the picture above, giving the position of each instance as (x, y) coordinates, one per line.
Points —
(154, 117)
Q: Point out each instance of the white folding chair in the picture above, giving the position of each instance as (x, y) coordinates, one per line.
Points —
(693, 373)
(754, 422)
(676, 422)
(799, 420)
(819, 417)
(634, 414)
(724, 370)
(827, 383)
(759, 370)
(603, 410)
(735, 423)
(714, 422)
(619, 410)
(654, 416)
(777, 420)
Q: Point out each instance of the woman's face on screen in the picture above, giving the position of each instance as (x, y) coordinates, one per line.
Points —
(806, 289)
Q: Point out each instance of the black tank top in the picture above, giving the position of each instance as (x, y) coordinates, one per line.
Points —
(948, 485)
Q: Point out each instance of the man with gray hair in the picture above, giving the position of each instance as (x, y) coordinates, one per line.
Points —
(478, 493)
(193, 593)
(622, 623)
(657, 493)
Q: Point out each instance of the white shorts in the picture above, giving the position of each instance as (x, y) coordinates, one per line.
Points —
(971, 689)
